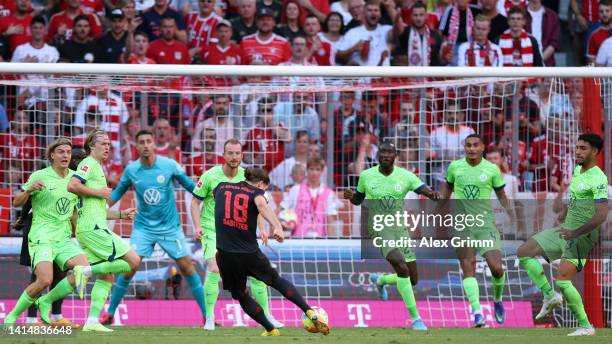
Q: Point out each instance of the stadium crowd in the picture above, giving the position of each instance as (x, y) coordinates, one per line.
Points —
(290, 136)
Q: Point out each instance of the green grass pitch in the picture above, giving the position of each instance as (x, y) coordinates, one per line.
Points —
(186, 335)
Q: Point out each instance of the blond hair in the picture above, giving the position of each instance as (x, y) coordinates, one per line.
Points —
(91, 139)
(56, 143)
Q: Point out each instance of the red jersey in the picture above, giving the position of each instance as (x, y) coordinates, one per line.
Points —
(62, 18)
(7, 7)
(271, 52)
(596, 39)
(266, 148)
(165, 151)
(200, 30)
(112, 171)
(21, 148)
(321, 5)
(213, 54)
(88, 6)
(18, 39)
(133, 59)
(199, 163)
(432, 19)
(323, 55)
(590, 10)
(173, 53)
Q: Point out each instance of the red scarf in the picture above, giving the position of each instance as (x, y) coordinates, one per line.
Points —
(484, 52)
(517, 51)
(453, 29)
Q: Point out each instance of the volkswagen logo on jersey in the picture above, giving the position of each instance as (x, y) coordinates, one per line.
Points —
(62, 206)
(152, 196)
(471, 192)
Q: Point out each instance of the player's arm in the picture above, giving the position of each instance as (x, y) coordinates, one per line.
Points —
(601, 214)
(427, 192)
(355, 197)
(263, 229)
(77, 186)
(505, 202)
(268, 215)
(125, 214)
(29, 188)
(120, 190)
(181, 177)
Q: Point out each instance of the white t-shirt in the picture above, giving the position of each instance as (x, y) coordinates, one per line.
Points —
(281, 174)
(536, 24)
(291, 197)
(449, 143)
(346, 15)
(378, 43)
(604, 55)
(46, 54)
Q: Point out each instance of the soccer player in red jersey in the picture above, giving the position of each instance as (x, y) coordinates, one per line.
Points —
(16, 27)
(265, 46)
(60, 25)
(201, 26)
(166, 49)
(319, 51)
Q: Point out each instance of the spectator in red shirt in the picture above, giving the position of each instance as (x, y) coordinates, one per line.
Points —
(201, 26)
(60, 25)
(265, 144)
(6, 7)
(224, 51)
(320, 51)
(265, 46)
(168, 143)
(20, 149)
(598, 36)
(202, 161)
(136, 48)
(88, 6)
(318, 8)
(505, 145)
(16, 27)
(128, 149)
(166, 49)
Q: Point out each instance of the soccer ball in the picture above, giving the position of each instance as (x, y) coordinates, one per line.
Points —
(308, 324)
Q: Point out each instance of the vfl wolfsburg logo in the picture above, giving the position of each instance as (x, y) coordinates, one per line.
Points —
(62, 206)
(471, 192)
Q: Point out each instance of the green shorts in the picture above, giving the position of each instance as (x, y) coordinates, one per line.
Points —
(575, 251)
(487, 238)
(395, 235)
(102, 245)
(58, 252)
(209, 245)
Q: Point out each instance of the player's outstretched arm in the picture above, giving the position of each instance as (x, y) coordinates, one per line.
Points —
(429, 193)
(268, 214)
(505, 202)
(196, 205)
(263, 229)
(125, 214)
(356, 198)
(601, 214)
(183, 179)
(77, 187)
(120, 190)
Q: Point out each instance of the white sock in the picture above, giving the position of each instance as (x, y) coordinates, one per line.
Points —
(92, 321)
(87, 270)
(56, 317)
(30, 320)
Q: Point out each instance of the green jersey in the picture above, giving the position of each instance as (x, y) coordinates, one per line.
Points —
(52, 207)
(204, 191)
(92, 210)
(586, 188)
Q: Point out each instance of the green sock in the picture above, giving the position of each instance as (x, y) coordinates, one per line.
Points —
(99, 294)
(574, 301)
(405, 289)
(61, 290)
(498, 287)
(470, 286)
(115, 267)
(24, 302)
(211, 293)
(388, 279)
(535, 271)
(259, 290)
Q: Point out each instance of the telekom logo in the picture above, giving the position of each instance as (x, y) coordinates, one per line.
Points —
(359, 312)
(235, 314)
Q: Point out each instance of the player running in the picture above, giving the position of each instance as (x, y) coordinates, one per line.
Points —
(386, 181)
(157, 221)
(238, 207)
(49, 238)
(230, 171)
(472, 179)
(574, 239)
(106, 251)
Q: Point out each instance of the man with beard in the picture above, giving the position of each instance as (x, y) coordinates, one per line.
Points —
(81, 48)
(418, 42)
(265, 46)
(389, 182)
(167, 49)
(367, 44)
(598, 36)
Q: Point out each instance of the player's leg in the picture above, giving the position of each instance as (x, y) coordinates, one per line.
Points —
(397, 259)
(545, 244)
(43, 269)
(99, 295)
(193, 279)
(467, 261)
(211, 283)
(111, 254)
(565, 273)
(32, 315)
(382, 280)
(498, 280)
(259, 290)
(57, 319)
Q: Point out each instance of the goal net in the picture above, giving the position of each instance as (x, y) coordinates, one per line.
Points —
(310, 131)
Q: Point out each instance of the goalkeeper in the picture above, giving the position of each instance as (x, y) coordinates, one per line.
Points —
(157, 221)
(381, 184)
(574, 239)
